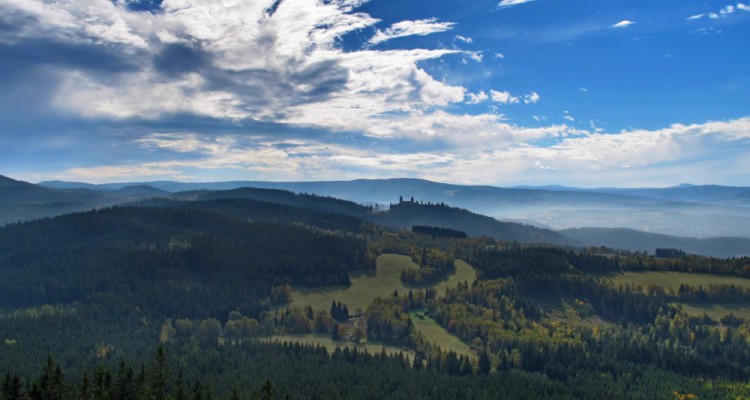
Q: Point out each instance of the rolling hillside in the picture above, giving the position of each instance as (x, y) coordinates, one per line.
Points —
(23, 201)
(685, 210)
(402, 215)
(629, 239)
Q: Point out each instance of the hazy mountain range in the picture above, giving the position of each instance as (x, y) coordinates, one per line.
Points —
(709, 220)
(685, 210)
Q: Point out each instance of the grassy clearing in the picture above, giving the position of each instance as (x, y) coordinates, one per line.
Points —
(325, 340)
(439, 335)
(382, 283)
(365, 287)
(673, 280)
(716, 311)
(464, 273)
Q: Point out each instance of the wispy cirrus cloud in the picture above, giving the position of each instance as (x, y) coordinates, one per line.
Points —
(623, 24)
(510, 3)
(420, 27)
(458, 147)
(721, 13)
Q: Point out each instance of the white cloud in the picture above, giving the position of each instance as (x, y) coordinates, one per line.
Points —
(464, 39)
(531, 98)
(503, 97)
(476, 56)
(722, 13)
(420, 27)
(476, 98)
(597, 158)
(509, 3)
(498, 56)
(595, 128)
(83, 22)
(569, 118)
(287, 67)
(622, 24)
(143, 95)
(727, 10)
(538, 164)
(482, 149)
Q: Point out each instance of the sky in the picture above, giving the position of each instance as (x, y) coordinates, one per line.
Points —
(627, 93)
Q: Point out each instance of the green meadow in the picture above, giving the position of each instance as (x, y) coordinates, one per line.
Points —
(673, 280)
(381, 283)
(439, 335)
(717, 311)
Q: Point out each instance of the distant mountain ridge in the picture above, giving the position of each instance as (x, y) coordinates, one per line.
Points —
(629, 239)
(13, 192)
(406, 214)
(22, 201)
(402, 214)
(684, 210)
(384, 191)
(631, 219)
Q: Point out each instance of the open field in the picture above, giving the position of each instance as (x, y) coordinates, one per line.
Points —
(464, 273)
(675, 279)
(325, 340)
(439, 335)
(381, 283)
(717, 311)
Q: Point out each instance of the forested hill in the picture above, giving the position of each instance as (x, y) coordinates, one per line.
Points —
(23, 201)
(100, 289)
(13, 192)
(302, 200)
(265, 211)
(406, 214)
(19, 193)
(712, 210)
(207, 263)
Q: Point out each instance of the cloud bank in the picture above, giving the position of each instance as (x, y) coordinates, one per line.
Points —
(261, 89)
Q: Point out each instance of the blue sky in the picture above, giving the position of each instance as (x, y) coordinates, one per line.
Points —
(584, 93)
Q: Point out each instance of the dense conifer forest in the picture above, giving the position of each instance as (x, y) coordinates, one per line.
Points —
(179, 299)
